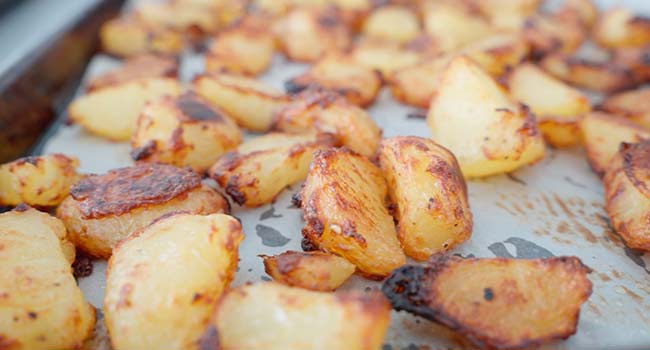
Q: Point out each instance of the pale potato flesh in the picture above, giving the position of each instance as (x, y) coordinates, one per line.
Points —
(385, 58)
(496, 53)
(416, 84)
(633, 105)
(126, 37)
(315, 270)
(381, 24)
(619, 27)
(241, 50)
(453, 27)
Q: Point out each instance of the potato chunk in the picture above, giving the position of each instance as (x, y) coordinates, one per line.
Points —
(343, 204)
(557, 106)
(583, 10)
(619, 27)
(429, 193)
(380, 24)
(633, 105)
(416, 84)
(127, 37)
(453, 26)
(191, 20)
(547, 34)
(488, 132)
(329, 113)
(603, 133)
(495, 303)
(41, 306)
(183, 131)
(112, 112)
(39, 181)
(310, 270)
(163, 282)
(384, 57)
(592, 75)
(260, 169)
(627, 194)
(507, 14)
(310, 320)
(104, 209)
(496, 53)
(246, 100)
(135, 68)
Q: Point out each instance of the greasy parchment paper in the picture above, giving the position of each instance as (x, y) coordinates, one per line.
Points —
(552, 208)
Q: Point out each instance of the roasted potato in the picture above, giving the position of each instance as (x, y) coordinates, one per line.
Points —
(415, 85)
(127, 37)
(135, 68)
(507, 14)
(495, 54)
(495, 303)
(183, 131)
(330, 113)
(633, 105)
(452, 26)
(310, 320)
(381, 24)
(101, 210)
(583, 10)
(358, 83)
(310, 270)
(191, 20)
(635, 60)
(620, 27)
(557, 106)
(488, 132)
(112, 112)
(627, 194)
(41, 305)
(246, 100)
(343, 204)
(547, 34)
(163, 282)
(384, 57)
(308, 33)
(429, 194)
(261, 168)
(38, 181)
(593, 75)
(603, 133)
(225, 12)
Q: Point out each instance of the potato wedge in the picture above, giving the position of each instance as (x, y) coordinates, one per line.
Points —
(41, 306)
(633, 105)
(163, 282)
(380, 24)
(358, 83)
(496, 53)
(548, 34)
(343, 204)
(416, 84)
(192, 21)
(489, 133)
(38, 181)
(349, 320)
(384, 57)
(495, 303)
(620, 27)
(112, 112)
(310, 270)
(635, 60)
(261, 168)
(329, 113)
(557, 106)
(135, 68)
(183, 131)
(429, 194)
(592, 75)
(104, 209)
(507, 14)
(127, 37)
(585, 11)
(452, 26)
(603, 133)
(246, 100)
(627, 194)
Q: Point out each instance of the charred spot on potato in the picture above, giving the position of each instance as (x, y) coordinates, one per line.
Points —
(197, 109)
(293, 87)
(145, 151)
(82, 266)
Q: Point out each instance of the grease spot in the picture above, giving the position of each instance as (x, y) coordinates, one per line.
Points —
(270, 236)
(270, 213)
(524, 249)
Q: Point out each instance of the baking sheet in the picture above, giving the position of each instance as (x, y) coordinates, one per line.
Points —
(553, 208)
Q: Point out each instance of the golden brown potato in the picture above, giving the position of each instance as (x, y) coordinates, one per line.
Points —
(384, 57)
(633, 105)
(329, 113)
(620, 27)
(627, 195)
(415, 85)
(495, 303)
(307, 34)
(343, 204)
(260, 169)
(634, 59)
(429, 194)
(547, 34)
(310, 320)
(163, 282)
(191, 20)
(225, 12)
(358, 83)
(557, 106)
(488, 132)
(507, 14)
(127, 37)
(495, 54)
(592, 75)
(135, 68)
(39, 181)
(104, 209)
(41, 306)
(246, 100)
(310, 270)
(393, 23)
(452, 26)
(183, 131)
(583, 10)
(603, 133)
(112, 112)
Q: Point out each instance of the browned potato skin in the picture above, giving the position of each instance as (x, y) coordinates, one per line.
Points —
(547, 34)
(415, 85)
(633, 105)
(495, 303)
(101, 210)
(183, 131)
(627, 194)
(582, 10)
(137, 67)
(315, 270)
(388, 57)
(619, 27)
(597, 76)
(125, 37)
(327, 112)
(635, 60)
(358, 83)
(343, 205)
